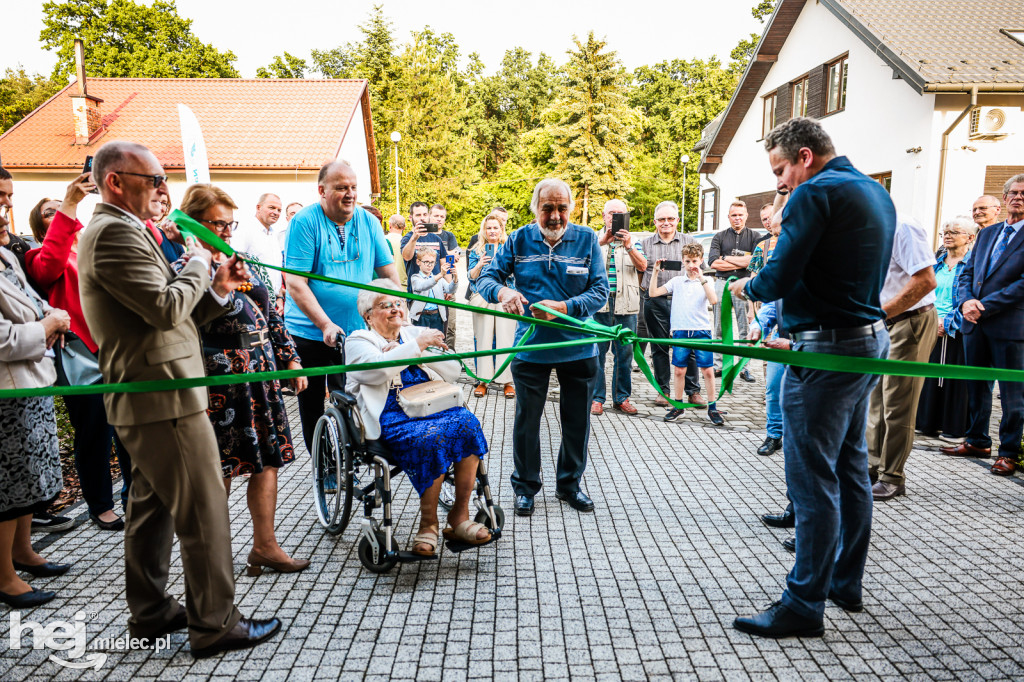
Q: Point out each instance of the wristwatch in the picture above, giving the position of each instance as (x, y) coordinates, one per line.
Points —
(704, 281)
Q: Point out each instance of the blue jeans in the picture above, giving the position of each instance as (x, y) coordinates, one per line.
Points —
(773, 398)
(622, 380)
(826, 458)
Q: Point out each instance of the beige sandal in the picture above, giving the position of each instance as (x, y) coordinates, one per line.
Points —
(421, 538)
(466, 532)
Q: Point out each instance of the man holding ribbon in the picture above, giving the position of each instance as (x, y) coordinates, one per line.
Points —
(828, 268)
(557, 265)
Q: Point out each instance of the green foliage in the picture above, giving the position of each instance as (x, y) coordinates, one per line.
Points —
(763, 9)
(742, 53)
(125, 39)
(21, 94)
(288, 66)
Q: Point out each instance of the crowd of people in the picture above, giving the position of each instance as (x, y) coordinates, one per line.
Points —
(838, 271)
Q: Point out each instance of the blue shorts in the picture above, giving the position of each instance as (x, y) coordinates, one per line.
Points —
(680, 356)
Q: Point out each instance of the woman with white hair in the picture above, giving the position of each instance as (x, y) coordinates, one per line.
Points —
(942, 410)
(424, 447)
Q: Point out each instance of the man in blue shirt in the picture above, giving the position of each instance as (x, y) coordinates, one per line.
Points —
(338, 239)
(559, 265)
(828, 268)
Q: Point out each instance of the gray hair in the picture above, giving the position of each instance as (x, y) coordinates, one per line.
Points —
(366, 299)
(110, 156)
(543, 185)
(1015, 180)
(667, 204)
(963, 222)
(795, 134)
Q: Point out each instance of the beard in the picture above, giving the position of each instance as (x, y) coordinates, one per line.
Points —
(552, 234)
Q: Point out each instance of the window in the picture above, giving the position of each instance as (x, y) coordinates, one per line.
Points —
(768, 115)
(836, 93)
(884, 179)
(800, 97)
(708, 221)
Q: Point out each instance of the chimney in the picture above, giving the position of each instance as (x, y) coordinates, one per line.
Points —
(84, 107)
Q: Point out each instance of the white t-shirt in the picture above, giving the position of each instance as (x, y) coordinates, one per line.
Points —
(262, 244)
(910, 254)
(689, 304)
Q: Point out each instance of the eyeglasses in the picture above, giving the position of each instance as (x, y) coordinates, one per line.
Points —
(220, 225)
(669, 219)
(156, 179)
(1015, 195)
(388, 305)
(983, 208)
(953, 233)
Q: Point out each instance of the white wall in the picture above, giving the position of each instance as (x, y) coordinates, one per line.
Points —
(353, 150)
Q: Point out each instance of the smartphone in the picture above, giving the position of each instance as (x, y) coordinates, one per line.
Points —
(672, 265)
(87, 168)
(450, 260)
(620, 222)
(431, 227)
(489, 250)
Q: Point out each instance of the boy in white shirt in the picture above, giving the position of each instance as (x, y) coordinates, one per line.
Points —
(690, 319)
(436, 286)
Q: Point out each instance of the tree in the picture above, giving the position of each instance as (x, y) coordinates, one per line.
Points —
(124, 39)
(21, 94)
(288, 66)
(763, 9)
(591, 124)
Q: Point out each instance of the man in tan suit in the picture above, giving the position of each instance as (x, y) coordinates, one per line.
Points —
(144, 318)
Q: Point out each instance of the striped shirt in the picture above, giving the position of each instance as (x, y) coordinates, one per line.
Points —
(656, 249)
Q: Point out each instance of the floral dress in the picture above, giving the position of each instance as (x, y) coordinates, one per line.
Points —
(249, 420)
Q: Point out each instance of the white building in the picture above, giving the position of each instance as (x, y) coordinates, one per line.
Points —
(923, 95)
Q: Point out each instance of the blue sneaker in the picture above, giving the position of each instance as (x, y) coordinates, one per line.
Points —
(331, 483)
(672, 415)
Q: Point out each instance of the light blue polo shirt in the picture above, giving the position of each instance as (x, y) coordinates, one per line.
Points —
(314, 246)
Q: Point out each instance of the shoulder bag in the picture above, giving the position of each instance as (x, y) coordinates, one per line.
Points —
(76, 364)
(430, 397)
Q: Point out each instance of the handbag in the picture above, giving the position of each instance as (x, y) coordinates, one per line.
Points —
(430, 397)
(76, 365)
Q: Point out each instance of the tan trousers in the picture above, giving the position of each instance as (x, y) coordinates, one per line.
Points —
(893, 408)
(488, 330)
(177, 489)
(449, 328)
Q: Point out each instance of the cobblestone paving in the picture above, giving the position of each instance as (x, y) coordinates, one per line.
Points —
(645, 588)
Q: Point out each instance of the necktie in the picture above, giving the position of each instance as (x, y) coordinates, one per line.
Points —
(999, 248)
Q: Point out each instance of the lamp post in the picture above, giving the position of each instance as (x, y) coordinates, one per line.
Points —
(396, 137)
(684, 159)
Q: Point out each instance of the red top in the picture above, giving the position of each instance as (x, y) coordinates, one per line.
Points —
(54, 267)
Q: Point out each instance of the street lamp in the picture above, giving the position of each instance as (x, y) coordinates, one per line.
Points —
(396, 137)
(684, 159)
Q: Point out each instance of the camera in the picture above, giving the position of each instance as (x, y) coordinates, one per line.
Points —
(672, 265)
(431, 227)
(87, 168)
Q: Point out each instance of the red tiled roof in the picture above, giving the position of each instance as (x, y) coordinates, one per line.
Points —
(260, 123)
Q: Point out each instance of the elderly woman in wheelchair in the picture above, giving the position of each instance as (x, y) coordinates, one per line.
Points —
(424, 447)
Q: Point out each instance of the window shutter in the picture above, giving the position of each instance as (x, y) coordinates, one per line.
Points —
(783, 103)
(816, 92)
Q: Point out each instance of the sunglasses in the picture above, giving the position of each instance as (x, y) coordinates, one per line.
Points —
(157, 180)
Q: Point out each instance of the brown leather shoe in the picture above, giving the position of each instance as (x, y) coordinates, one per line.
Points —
(696, 399)
(246, 633)
(596, 408)
(965, 450)
(480, 390)
(256, 562)
(510, 390)
(661, 401)
(625, 406)
(1004, 466)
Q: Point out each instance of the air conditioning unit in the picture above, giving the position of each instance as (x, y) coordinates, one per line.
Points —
(993, 123)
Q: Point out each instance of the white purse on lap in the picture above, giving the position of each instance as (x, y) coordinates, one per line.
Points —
(430, 397)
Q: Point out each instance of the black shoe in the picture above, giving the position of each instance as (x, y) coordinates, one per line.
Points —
(770, 446)
(27, 600)
(672, 415)
(745, 375)
(846, 605)
(47, 570)
(716, 417)
(578, 500)
(524, 505)
(246, 633)
(789, 543)
(779, 621)
(48, 523)
(786, 519)
(718, 372)
(116, 524)
(178, 622)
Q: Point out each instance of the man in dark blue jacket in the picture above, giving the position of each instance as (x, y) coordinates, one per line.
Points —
(828, 267)
(991, 285)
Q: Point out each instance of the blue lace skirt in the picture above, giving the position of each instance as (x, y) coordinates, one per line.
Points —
(427, 446)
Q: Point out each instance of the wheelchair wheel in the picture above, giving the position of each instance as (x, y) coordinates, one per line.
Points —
(332, 472)
(383, 564)
(483, 517)
(447, 496)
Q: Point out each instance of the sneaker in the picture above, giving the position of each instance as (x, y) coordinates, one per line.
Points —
(672, 415)
(746, 376)
(596, 408)
(47, 523)
(716, 417)
(330, 483)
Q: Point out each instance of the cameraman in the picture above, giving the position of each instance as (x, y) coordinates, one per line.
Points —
(420, 238)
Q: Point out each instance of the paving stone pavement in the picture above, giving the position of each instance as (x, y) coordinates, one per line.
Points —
(644, 588)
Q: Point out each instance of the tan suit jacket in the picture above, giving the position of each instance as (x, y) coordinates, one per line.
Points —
(22, 337)
(143, 316)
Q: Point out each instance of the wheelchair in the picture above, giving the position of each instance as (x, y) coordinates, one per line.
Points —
(349, 469)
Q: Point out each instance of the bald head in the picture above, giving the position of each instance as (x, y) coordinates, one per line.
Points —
(113, 156)
(130, 177)
(333, 168)
(611, 207)
(985, 210)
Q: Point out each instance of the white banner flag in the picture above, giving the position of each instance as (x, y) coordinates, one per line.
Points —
(197, 166)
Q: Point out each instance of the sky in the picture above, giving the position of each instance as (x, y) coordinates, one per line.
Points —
(642, 32)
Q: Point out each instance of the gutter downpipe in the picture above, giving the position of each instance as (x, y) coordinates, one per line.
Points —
(718, 193)
(943, 153)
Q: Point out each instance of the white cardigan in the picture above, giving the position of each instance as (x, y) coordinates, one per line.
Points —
(370, 386)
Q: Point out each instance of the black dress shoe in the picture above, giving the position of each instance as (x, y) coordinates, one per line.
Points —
(746, 376)
(770, 446)
(27, 600)
(116, 524)
(178, 622)
(524, 505)
(47, 570)
(845, 604)
(789, 543)
(246, 633)
(577, 499)
(786, 519)
(779, 621)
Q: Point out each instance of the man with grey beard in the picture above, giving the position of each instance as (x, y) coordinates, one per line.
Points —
(559, 265)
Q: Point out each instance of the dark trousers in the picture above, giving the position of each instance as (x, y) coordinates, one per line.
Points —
(431, 320)
(982, 350)
(658, 316)
(311, 401)
(532, 381)
(93, 437)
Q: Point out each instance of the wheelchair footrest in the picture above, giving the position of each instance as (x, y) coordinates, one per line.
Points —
(457, 546)
(409, 557)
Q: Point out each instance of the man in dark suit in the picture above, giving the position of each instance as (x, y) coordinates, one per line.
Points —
(143, 316)
(991, 286)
